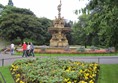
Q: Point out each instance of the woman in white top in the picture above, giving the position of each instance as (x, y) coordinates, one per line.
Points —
(12, 47)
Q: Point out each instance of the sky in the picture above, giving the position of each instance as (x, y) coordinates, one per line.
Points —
(48, 8)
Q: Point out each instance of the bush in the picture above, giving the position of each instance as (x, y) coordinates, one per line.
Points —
(81, 49)
(50, 70)
(110, 49)
(93, 48)
(43, 48)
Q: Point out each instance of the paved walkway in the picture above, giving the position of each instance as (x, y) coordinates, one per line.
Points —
(7, 59)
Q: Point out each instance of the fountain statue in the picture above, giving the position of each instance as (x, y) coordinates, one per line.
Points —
(58, 31)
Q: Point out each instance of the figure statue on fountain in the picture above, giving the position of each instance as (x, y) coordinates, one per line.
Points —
(58, 22)
(59, 7)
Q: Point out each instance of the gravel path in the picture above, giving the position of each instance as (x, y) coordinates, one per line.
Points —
(7, 59)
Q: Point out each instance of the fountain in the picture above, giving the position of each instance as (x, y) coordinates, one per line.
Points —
(58, 31)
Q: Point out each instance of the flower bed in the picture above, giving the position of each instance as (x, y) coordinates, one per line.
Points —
(70, 51)
(54, 71)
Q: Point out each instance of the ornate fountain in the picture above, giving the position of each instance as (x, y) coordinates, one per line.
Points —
(58, 31)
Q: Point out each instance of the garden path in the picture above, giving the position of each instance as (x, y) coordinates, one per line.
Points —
(7, 59)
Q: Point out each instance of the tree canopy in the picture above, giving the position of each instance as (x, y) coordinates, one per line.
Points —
(101, 24)
(17, 24)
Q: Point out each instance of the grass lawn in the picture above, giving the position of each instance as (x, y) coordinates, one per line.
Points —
(108, 73)
(38, 54)
(7, 75)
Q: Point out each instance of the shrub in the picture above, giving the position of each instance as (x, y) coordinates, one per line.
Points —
(51, 70)
(81, 49)
(110, 49)
(43, 48)
(93, 48)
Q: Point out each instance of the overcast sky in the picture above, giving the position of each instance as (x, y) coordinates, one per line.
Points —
(48, 8)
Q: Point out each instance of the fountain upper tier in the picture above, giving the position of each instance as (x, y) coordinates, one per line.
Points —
(58, 31)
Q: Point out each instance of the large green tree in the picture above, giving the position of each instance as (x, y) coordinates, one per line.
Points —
(45, 36)
(102, 22)
(21, 24)
(80, 34)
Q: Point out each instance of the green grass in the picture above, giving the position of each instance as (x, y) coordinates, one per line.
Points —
(1, 80)
(7, 75)
(41, 54)
(109, 54)
(108, 73)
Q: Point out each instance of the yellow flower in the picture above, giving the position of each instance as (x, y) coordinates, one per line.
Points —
(67, 70)
(95, 68)
(93, 75)
(22, 81)
(69, 82)
(17, 79)
(66, 79)
(86, 78)
(13, 73)
(91, 81)
(75, 81)
(17, 75)
(80, 71)
(87, 74)
(82, 82)
(16, 67)
(12, 66)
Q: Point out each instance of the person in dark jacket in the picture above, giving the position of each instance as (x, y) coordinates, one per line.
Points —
(32, 49)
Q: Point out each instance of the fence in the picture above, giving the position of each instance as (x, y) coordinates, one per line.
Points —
(100, 60)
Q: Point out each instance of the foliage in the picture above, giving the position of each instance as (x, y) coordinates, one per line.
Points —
(17, 24)
(1, 6)
(107, 73)
(93, 48)
(79, 33)
(81, 49)
(11, 9)
(53, 71)
(101, 24)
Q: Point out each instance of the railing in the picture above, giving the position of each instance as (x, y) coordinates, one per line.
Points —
(100, 60)
(8, 61)
(3, 79)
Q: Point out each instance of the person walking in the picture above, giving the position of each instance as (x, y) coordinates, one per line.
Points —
(28, 49)
(32, 49)
(24, 47)
(12, 47)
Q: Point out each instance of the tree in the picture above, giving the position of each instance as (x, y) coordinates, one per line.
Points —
(102, 24)
(45, 35)
(22, 24)
(104, 17)
(80, 34)
(1, 8)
